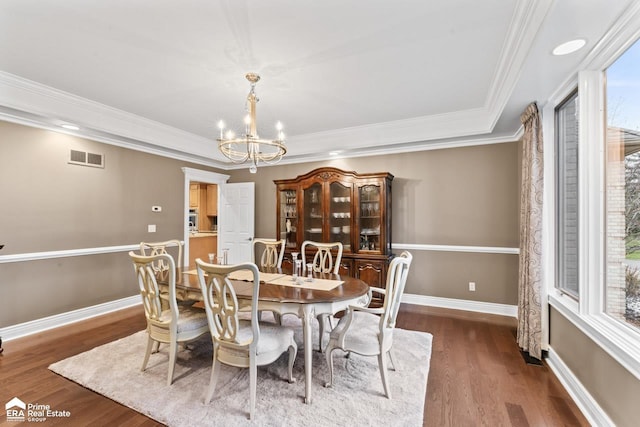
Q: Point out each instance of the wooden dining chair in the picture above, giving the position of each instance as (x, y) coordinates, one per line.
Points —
(272, 252)
(323, 262)
(157, 248)
(177, 324)
(354, 332)
(243, 343)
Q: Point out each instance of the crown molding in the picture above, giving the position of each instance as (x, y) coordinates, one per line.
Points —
(394, 133)
(32, 120)
(525, 24)
(52, 107)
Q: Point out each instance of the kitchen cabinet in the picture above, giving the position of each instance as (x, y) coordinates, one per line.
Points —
(204, 222)
(212, 200)
(194, 196)
(332, 205)
(204, 199)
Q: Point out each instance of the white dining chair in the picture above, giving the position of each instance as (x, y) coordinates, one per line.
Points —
(239, 342)
(157, 248)
(271, 255)
(323, 262)
(175, 325)
(354, 333)
(272, 252)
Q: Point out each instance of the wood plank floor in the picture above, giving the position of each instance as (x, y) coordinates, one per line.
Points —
(477, 375)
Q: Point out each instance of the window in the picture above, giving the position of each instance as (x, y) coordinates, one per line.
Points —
(622, 290)
(566, 118)
(597, 252)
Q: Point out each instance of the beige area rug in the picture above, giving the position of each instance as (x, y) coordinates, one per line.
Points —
(356, 397)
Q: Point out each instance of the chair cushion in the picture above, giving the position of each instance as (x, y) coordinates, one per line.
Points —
(189, 319)
(272, 337)
(364, 329)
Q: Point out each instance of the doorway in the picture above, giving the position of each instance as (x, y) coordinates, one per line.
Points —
(235, 221)
(198, 214)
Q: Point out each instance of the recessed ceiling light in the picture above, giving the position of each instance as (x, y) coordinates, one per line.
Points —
(334, 153)
(569, 47)
(70, 126)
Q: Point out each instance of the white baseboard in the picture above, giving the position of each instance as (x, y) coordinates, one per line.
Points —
(46, 323)
(460, 304)
(587, 404)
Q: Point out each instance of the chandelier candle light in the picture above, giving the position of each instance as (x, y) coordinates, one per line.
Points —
(250, 147)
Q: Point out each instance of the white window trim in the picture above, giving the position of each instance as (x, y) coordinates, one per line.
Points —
(620, 341)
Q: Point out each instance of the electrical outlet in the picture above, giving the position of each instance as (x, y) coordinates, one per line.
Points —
(472, 286)
(151, 228)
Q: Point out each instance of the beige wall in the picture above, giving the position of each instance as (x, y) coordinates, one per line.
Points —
(463, 196)
(47, 204)
(460, 196)
(609, 383)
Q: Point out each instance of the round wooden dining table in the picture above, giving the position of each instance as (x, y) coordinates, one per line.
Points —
(296, 299)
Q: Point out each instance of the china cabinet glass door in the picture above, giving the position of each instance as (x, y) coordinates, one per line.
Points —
(313, 213)
(340, 215)
(288, 217)
(369, 220)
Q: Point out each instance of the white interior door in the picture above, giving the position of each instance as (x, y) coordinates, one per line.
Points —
(236, 223)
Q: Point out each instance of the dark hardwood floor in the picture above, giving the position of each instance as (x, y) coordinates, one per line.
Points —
(477, 375)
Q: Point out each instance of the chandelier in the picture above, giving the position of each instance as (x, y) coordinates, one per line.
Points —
(249, 146)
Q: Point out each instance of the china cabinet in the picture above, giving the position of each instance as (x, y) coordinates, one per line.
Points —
(332, 205)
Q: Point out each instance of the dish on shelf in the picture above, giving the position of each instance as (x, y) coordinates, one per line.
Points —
(315, 230)
(369, 231)
(335, 230)
(341, 214)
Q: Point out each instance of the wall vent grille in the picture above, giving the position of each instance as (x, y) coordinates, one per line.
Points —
(84, 158)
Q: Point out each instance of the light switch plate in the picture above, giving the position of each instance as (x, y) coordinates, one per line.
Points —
(151, 228)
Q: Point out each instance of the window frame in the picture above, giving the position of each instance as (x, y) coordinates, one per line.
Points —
(619, 340)
(558, 216)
